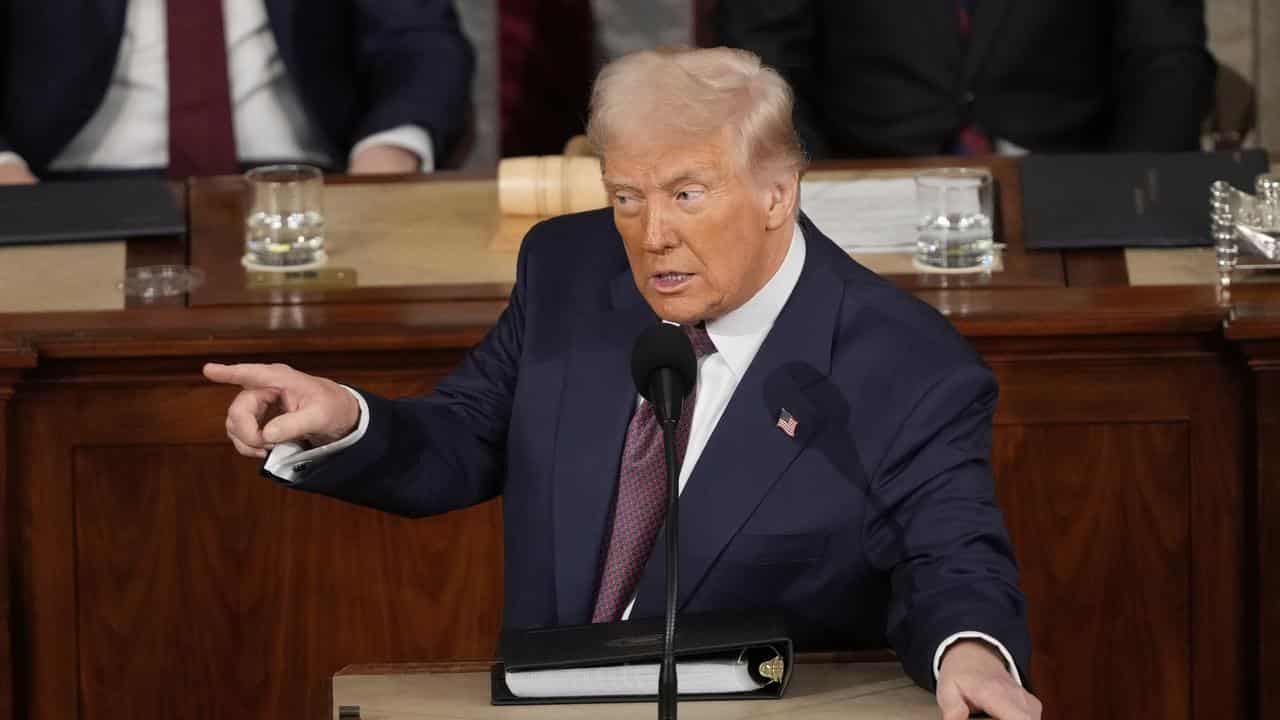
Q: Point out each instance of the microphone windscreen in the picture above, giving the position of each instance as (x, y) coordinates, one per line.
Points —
(663, 346)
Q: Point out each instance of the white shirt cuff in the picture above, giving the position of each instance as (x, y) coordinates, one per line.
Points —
(410, 137)
(12, 158)
(288, 460)
(973, 635)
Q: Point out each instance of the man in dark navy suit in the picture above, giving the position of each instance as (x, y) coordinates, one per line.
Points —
(835, 449)
(928, 77)
(205, 86)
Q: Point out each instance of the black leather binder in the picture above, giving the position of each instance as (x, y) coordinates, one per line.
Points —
(761, 635)
(1127, 199)
(86, 210)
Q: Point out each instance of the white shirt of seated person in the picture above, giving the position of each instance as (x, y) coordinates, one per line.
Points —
(130, 130)
(737, 336)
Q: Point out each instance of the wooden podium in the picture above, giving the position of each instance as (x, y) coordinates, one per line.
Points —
(847, 691)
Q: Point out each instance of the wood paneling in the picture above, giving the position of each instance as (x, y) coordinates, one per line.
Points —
(1222, 675)
(160, 575)
(6, 610)
(1266, 562)
(1264, 558)
(1158, 426)
(14, 358)
(1104, 563)
(230, 596)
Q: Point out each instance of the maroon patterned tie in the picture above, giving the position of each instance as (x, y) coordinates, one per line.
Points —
(641, 503)
(970, 140)
(201, 136)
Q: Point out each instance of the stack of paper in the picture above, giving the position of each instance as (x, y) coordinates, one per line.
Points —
(703, 677)
(873, 215)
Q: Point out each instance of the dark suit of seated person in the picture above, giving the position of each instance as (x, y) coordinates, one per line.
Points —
(205, 86)
(836, 461)
(931, 77)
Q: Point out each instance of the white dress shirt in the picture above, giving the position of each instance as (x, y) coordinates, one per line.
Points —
(130, 130)
(737, 336)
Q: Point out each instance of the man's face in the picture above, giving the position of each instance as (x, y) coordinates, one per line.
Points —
(695, 229)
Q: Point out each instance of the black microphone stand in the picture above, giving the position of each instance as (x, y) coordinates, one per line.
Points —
(663, 363)
(666, 388)
(667, 683)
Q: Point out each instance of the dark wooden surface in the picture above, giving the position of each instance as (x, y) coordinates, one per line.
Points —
(1264, 560)
(153, 572)
(315, 585)
(141, 252)
(15, 357)
(217, 208)
(1105, 462)
(162, 576)
(1099, 267)
(1255, 326)
(1063, 504)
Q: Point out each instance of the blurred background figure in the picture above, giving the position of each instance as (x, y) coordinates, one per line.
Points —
(204, 87)
(930, 77)
(550, 52)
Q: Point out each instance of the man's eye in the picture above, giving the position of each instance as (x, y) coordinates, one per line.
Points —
(621, 199)
(687, 195)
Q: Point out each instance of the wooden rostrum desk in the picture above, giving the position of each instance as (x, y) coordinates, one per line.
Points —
(151, 572)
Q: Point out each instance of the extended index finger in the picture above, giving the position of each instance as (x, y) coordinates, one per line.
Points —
(1002, 700)
(250, 375)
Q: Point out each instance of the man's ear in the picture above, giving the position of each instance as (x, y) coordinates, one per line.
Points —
(784, 196)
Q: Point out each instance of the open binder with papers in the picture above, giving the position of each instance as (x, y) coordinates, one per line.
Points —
(719, 656)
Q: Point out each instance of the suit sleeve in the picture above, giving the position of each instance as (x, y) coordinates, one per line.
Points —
(1164, 75)
(784, 33)
(415, 69)
(937, 531)
(429, 455)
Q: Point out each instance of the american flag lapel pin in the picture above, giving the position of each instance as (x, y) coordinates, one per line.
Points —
(787, 423)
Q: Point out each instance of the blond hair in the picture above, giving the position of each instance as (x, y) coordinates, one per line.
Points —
(695, 93)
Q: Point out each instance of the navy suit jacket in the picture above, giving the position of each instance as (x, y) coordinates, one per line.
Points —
(876, 78)
(360, 66)
(877, 520)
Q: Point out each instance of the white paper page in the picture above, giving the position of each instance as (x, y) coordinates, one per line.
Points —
(873, 215)
(700, 677)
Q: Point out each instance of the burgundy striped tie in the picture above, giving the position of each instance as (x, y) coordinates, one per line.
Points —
(201, 135)
(641, 503)
(970, 140)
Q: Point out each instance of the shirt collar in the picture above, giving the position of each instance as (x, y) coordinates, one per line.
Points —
(738, 334)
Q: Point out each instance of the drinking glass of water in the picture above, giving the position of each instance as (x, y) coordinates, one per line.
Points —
(956, 211)
(285, 226)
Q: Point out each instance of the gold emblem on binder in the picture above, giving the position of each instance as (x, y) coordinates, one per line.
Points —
(772, 670)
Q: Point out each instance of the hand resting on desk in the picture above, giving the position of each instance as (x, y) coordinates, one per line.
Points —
(16, 173)
(384, 160)
(974, 678)
(279, 404)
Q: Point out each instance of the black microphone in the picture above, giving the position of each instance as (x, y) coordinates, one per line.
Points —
(665, 370)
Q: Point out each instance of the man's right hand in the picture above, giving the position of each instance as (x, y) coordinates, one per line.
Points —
(279, 404)
(16, 173)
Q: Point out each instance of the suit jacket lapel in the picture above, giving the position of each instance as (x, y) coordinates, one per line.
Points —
(986, 25)
(112, 14)
(280, 16)
(747, 451)
(597, 403)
